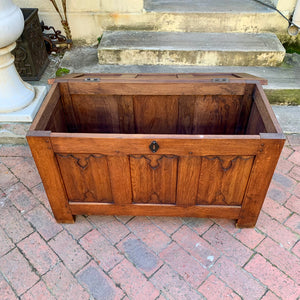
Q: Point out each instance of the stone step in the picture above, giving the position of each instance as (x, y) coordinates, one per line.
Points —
(205, 6)
(190, 48)
(236, 20)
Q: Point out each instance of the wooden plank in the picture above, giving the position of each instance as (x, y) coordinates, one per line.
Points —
(119, 171)
(186, 112)
(260, 178)
(170, 145)
(126, 114)
(223, 179)
(187, 183)
(57, 121)
(255, 122)
(153, 178)
(45, 112)
(47, 166)
(197, 211)
(156, 88)
(216, 114)
(67, 104)
(245, 110)
(156, 114)
(179, 77)
(270, 122)
(248, 77)
(97, 113)
(86, 177)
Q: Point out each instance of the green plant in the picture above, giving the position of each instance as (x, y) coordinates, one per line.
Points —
(99, 39)
(61, 72)
(292, 48)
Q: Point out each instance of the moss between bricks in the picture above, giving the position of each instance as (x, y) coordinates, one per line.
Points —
(286, 97)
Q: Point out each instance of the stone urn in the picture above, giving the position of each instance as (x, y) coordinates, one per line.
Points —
(15, 94)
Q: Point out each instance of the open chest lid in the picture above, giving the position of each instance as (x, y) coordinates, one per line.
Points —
(155, 77)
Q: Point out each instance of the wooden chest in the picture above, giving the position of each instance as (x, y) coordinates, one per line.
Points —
(195, 145)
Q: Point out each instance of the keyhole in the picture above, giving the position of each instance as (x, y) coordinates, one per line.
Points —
(154, 146)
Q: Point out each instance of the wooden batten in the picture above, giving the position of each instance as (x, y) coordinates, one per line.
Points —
(203, 211)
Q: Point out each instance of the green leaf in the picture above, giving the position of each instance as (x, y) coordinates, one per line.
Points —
(61, 72)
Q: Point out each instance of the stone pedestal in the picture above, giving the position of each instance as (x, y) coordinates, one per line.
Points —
(17, 98)
(15, 93)
(27, 113)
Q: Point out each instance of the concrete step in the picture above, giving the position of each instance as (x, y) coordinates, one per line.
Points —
(214, 6)
(234, 20)
(190, 48)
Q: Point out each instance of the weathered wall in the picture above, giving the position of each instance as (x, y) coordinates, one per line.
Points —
(89, 18)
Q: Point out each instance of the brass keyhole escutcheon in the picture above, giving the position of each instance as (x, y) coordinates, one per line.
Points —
(154, 146)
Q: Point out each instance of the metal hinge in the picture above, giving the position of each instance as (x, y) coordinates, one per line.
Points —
(91, 79)
(220, 80)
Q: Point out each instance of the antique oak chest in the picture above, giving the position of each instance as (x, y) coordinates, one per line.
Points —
(198, 145)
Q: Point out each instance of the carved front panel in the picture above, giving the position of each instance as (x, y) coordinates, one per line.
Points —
(223, 179)
(86, 177)
(153, 178)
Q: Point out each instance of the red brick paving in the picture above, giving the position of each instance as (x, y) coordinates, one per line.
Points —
(5, 242)
(24, 169)
(22, 199)
(97, 283)
(112, 229)
(133, 282)
(272, 277)
(13, 223)
(228, 245)
(39, 192)
(63, 285)
(17, 271)
(140, 255)
(173, 285)
(296, 249)
(6, 291)
(295, 158)
(297, 190)
(277, 193)
(80, 228)
(101, 250)
(249, 237)
(294, 223)
(295, 173)
(270, 296)
(238, 279)
(75, 258)
(274, 209)
(126, 257)
(43, 222)
(214, 288)
(39, 291)
(293, 204)
(276, 231)
(281, 258)
(38, 253)
(196, 246)
(150, 234)
(184, 264)
(7, 178)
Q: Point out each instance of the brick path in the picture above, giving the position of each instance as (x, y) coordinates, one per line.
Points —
(104, 257)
